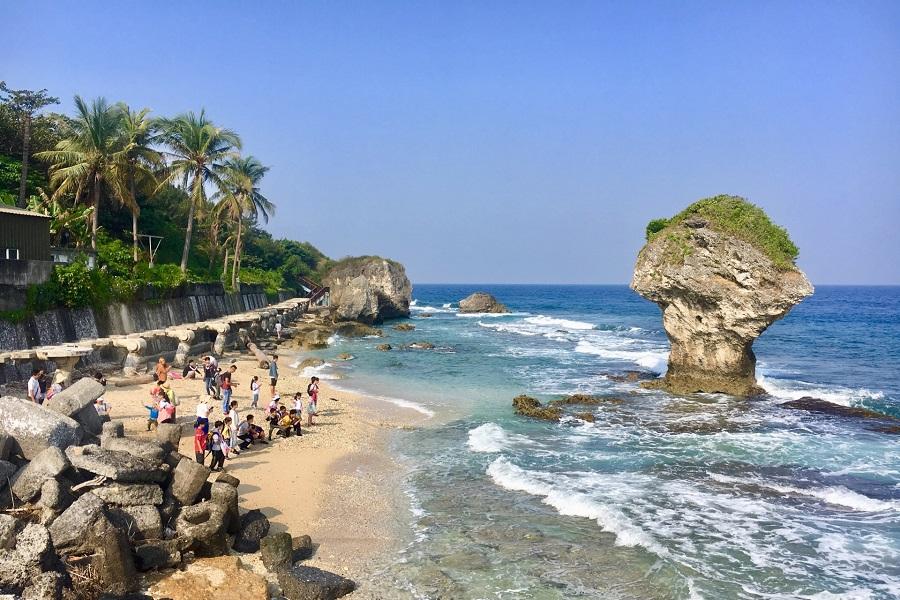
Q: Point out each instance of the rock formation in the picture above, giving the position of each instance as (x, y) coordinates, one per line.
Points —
(368, 289)
(481, 302)
(722, 273)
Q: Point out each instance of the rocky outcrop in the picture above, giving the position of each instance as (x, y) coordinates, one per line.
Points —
(481, 302)
(368, 289)
(719, 288)
(531, 407)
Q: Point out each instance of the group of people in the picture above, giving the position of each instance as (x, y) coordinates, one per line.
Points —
(38, 390)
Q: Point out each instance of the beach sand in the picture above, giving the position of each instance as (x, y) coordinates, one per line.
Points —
(338, 483)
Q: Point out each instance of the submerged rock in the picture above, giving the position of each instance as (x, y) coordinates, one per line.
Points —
(584, 400)
(876, 421)
(384, 347)
(404, 327)
(481, 302)
(356, 329)
(421, 346)
(369, 289)
(721, 273)
(531, 407)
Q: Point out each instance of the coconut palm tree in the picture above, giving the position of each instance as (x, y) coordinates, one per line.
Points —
(87, 161)
(140, 162)
(197, 150)
(241, 199)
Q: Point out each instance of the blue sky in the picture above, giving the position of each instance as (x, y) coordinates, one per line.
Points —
(518, 141)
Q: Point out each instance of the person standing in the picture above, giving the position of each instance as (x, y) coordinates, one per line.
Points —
(226, 386)
(203, 410)
(199, 444)
(235, 421)
(273, 373)
(254, 390)
(278, 329)
(313, 390)
(209, 373)
(217, 448)
(34, 386)
(162, 370)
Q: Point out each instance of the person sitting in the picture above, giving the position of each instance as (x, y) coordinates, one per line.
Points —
(296, 420)
(191, 371)
(102, 407)
(248, 433)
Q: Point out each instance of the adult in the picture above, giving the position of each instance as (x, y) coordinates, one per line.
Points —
(313, 390)
(278, 329)
(162, 369)
(203, 410)
(209, 373)
(273, 373)
(191, 371)
(248, 433)
(235, 421)
(34, 386)
(166, 410)
(226, 384)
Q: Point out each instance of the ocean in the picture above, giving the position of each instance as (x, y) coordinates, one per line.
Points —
(661, 496)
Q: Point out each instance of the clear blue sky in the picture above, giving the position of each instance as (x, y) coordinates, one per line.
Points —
(518, 141)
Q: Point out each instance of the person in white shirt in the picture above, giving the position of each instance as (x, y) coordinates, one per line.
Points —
(235, 420)
(298, 402)
(278, 329)
(34, 386)
(203, 410)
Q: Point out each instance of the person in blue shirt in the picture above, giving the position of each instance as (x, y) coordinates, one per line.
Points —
(273, 373)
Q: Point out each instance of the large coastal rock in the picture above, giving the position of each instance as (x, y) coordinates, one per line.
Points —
(722, 273)
(35, 428)
(481, 302)
(368, 289)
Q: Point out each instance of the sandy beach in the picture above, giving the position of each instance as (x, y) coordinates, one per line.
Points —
(338, 483)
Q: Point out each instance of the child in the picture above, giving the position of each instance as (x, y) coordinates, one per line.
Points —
(101, 407)
(296, 419)
(310, 412)
(298, 402)
(229, 435)
(217, 447)
(199, 442)
(312, 390)
(254, 389)
(154, 415)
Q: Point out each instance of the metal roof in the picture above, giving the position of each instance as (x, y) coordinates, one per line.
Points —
(13, 210)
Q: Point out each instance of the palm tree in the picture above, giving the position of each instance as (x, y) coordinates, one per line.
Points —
(197, 150)
(140, 162)
(242, 199)
(87, 160)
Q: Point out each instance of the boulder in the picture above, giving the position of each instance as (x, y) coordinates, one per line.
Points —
(310, 583)
(355, 329)
(46, 586)
(587, 417)
(226, 496)
(139, 448)
(202, 527)
(31, 555)
(141, 522)
(77, 402)
(8, 524)
(112, 429)
(231, 480)
(130, 494)
(302, 547)
(310, 363)
(35, 428)
(404, 327)
(530, 407)
(368, 289)
(254, 526)
(345, 356)
(276, 550)
(7, 446)
(7, 470)
(118, 466)
(421, 346)
(384, 347)
(481, 302)
(222, 577)
(719, 287)
(157, 554)
(56, 495)
(187, 481)
(26, 485)
(114, 563)
(168, 435)
(77, 528)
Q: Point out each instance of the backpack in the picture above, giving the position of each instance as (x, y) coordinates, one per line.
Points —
(170, 395)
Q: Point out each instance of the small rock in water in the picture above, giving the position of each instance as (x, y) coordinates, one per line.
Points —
(310, 583)
(530, 407)
(384, 347)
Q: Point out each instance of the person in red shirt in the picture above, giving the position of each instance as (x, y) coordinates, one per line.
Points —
(199, 444)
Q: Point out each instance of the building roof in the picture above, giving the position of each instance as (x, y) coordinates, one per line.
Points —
(20, 211)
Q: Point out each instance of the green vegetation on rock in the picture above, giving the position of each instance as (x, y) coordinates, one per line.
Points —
(733, 215)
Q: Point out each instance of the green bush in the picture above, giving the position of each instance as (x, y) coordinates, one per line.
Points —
(655, 226)
(742, 219)
(271, 280)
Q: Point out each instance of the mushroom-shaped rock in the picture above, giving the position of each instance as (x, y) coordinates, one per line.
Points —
(368, 289)
(721, 272)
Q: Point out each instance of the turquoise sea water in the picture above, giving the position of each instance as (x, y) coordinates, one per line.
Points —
(660, 497)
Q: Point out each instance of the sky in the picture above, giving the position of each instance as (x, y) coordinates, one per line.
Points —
(516, 142)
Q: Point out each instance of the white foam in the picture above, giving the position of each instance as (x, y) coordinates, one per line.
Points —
(489, 437)
(573, 503)
(483, 315)
(390, 400)
(787, 389)
(559, 323)
(432, 309)
(836, 495)
(653, 360)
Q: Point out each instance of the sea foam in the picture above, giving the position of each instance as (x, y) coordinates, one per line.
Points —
(570, 502)
(489, 437)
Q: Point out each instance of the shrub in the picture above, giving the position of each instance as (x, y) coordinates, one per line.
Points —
(655, 226)
(742, 219)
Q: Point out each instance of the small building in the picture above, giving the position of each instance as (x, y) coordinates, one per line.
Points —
(24, 254)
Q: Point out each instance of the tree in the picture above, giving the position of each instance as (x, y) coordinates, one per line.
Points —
(90, 159)
(197, 150)
(242, 198)
(140, 161)
(25, 103)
